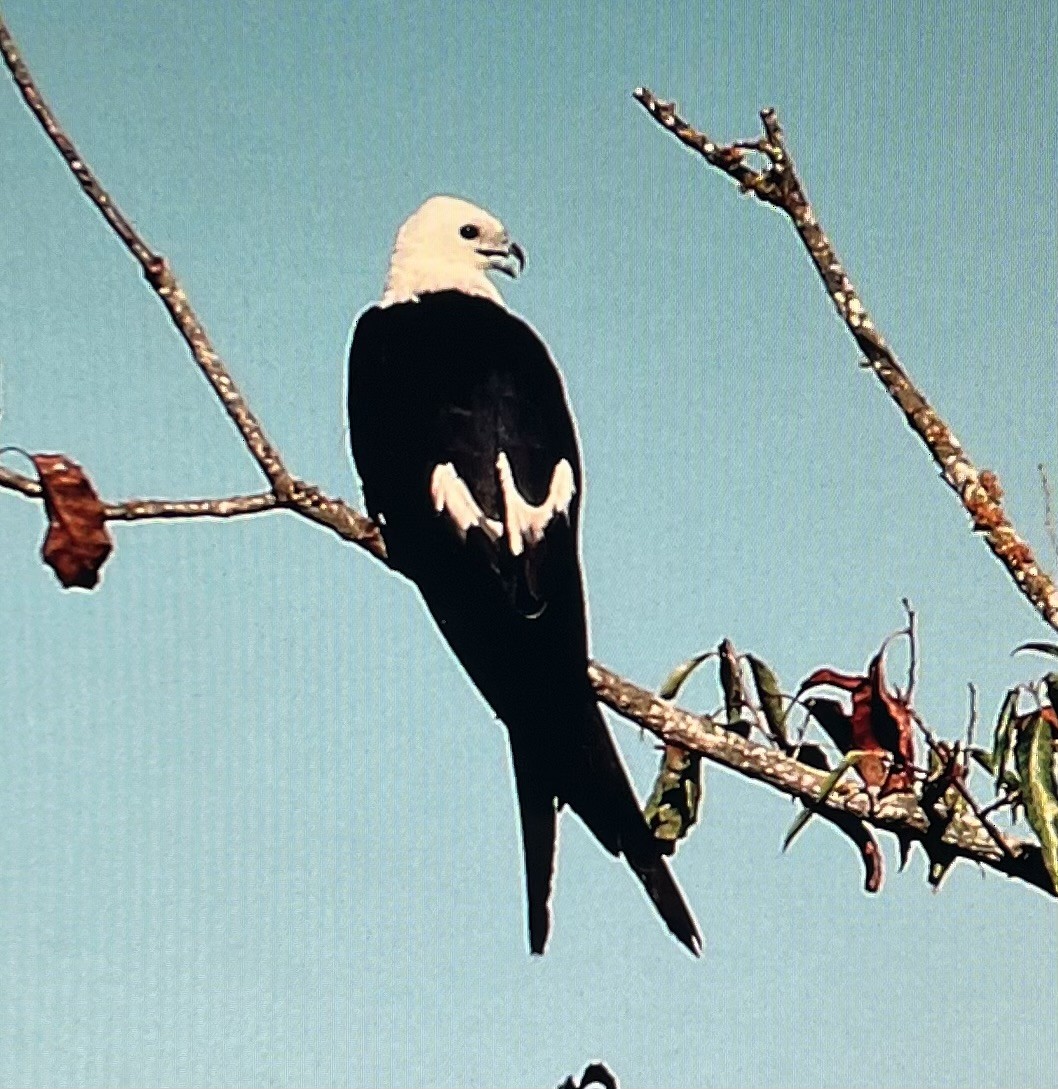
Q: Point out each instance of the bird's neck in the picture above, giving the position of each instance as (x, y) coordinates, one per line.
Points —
(409, 279)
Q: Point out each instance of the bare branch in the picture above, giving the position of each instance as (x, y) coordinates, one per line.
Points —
(156, 269)
(302, 499)
(778, 185)
(1048, 510)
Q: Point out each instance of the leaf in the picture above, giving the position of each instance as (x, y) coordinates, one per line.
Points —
(731, 681)
(813, 756)
(880, 724)
(1034, 756)
(826, 789)
(983, 757)
(770, 692)
(834, 720)
(1002, 737)
(1051, 681)
(1039, 648)
(674, 804)
(77, 542)
(672, 808)
(671, 685)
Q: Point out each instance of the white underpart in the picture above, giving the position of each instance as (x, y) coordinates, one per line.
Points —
(524, 523)
(451, 496)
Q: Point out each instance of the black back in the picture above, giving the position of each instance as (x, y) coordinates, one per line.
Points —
(457, 378)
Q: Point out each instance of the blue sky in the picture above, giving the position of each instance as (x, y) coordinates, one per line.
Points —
(255, 827)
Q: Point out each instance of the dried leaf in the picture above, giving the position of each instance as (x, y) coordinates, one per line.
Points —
(1034, 756)
(880, 724)
(77, 542)
(833, 718)
(888, 723)
(848, 682)
(770, 693)
(870, 853)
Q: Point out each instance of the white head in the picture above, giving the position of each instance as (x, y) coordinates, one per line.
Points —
(450, 244)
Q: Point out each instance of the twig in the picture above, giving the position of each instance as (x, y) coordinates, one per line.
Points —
(779, 185)
(944, 758)
(971, 725)
(1048, 510)
(912, 653)
(308, 502)
(156, 269)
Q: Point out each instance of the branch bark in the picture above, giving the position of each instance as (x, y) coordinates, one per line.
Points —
(962, 835)
(779, 185)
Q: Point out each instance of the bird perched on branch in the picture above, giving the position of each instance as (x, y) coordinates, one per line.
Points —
(468, 456)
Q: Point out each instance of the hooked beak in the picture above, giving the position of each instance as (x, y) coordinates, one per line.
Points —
(510, 261)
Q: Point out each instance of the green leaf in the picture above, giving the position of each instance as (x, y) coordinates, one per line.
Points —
(984, 759)
(671, 685)
(674, 804)
(851, 758)
(770, 692)
(731, 681)
(1051, 681)
(1002, 737)
(1039, 648)
(1034, 756)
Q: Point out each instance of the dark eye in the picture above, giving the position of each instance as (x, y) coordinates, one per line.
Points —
(468, 230)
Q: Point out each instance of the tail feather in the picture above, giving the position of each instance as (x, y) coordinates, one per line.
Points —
(603, 797)
(536, 806)
(662, 889)
(586, 772)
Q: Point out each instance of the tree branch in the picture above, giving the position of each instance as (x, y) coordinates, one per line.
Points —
(156, 268)
(778, 185)
(962, 835)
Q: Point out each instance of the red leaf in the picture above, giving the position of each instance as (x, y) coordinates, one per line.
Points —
(826, 675)
(77, 542)
(880, 722)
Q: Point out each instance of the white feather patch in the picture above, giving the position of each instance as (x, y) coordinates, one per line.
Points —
(451, 496)
(524, 523)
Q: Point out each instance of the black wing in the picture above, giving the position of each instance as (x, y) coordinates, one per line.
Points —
(458, 381)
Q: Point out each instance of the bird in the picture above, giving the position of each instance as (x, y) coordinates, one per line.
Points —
(470, 464)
